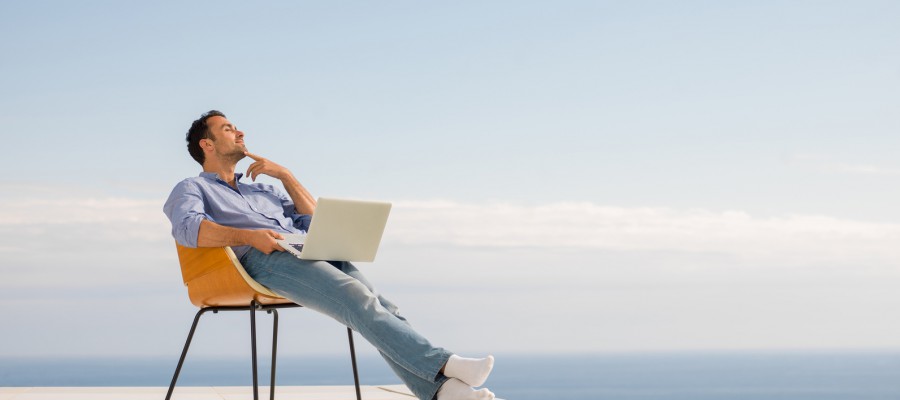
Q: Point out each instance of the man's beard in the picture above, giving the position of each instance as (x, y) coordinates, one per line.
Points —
(236, 155)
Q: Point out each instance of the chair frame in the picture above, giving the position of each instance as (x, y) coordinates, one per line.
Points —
(273, 302)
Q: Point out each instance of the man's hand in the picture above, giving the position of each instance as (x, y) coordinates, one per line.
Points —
(265, 166)
(304, 203)
(264, 240)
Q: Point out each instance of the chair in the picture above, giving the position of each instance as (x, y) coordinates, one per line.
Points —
(216, 281)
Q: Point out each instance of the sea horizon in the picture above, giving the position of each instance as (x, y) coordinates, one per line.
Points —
(725, 375)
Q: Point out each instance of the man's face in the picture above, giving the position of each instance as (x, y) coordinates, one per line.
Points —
(225, 141)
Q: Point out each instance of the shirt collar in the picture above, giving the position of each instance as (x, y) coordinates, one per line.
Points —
(214, 176)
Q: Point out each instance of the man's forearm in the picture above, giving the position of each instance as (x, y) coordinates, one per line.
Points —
(304, 202)
(212, 234)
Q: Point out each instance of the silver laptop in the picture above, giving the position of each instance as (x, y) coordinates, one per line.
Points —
(341, 230)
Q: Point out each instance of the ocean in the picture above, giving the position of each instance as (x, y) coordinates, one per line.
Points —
(669, 376)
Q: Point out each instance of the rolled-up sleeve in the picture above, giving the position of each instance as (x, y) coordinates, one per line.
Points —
(185, 210)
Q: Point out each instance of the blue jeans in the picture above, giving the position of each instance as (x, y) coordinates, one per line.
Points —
(339, 290)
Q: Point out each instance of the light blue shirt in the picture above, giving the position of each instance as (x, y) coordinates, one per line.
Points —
(250, 206)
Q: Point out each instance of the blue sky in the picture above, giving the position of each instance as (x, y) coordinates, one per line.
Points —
(567, 176)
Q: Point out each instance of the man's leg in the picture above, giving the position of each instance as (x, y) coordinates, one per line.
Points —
(423, 389)
(351, 270)
(324, 287)
(468, 371)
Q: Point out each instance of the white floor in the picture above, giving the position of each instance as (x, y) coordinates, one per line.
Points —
(387, 392)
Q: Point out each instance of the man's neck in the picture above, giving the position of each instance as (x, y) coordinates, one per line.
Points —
(225, 172)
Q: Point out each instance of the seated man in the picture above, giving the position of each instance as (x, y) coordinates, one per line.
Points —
(216, 209)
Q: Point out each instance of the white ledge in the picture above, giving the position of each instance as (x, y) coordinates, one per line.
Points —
(378, 392)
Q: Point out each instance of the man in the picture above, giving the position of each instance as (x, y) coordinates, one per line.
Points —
(217, 209)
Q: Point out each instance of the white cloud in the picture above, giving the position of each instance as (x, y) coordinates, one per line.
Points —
(54, 240)
(792, 239)
(81, 224)
(93, 239)
(866, 169)
(828, 164)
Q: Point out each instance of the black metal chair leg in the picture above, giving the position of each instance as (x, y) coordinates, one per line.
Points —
(187, 344)
(274, 313)
(353, 359)
(253, 305)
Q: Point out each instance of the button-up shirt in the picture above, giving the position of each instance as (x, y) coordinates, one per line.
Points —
(250, 206)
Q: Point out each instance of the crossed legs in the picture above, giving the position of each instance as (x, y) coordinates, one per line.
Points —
(339, 290)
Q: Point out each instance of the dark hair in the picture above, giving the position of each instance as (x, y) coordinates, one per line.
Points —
(199, 130)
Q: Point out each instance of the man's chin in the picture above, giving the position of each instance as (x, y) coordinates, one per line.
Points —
(237, 156)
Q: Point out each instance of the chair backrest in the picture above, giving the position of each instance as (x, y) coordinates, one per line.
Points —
(215, 277)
